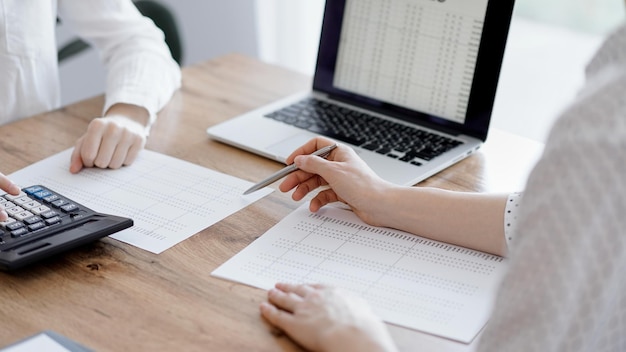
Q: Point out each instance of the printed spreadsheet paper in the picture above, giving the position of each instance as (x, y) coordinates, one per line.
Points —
(409, 281)
(168, 199)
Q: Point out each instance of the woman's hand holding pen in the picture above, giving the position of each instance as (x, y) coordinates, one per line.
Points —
(349, 179)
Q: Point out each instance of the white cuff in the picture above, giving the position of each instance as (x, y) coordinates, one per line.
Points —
(510, 217)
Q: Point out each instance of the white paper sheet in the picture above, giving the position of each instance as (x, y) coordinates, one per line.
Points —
(168, 199)
(410, 281)
(37, 343)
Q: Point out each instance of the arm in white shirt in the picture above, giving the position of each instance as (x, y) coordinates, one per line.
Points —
(140, 69)
(141, 78)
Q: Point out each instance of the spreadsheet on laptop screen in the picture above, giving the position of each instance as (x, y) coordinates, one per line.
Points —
(418, 54)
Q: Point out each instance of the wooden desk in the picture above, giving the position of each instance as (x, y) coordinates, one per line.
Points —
(111, 296)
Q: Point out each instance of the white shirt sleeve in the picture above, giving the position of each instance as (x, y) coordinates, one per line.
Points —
(140, 69)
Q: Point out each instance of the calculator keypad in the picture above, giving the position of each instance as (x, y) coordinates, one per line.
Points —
(34, 211)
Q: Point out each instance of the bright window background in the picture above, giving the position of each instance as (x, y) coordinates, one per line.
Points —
(591, 16)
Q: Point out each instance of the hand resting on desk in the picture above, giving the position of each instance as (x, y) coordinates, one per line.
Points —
(326, 319)
(112, 141)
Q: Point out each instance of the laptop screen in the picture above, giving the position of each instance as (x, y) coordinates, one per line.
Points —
(436, 61)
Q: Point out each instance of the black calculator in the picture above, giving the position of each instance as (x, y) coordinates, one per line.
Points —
(43, 223)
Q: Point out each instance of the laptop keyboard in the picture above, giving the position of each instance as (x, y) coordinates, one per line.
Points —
(395, 140)
(43, 222)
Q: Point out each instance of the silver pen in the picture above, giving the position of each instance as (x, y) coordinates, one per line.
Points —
(323, 153)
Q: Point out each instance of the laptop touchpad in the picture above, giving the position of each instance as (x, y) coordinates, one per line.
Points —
(285, 147)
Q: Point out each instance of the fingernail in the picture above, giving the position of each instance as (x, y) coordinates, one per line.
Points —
(14, 189)
(3, 215)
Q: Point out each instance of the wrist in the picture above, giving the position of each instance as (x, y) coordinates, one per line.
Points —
(354, 338)
(135, 113)
(387, 201)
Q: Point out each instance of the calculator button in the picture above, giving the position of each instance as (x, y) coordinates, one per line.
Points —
(31, 220)
(12, 197)
(14, 210)
(78, 215)
(22, 200)
(19, 232)
(36, 226)
(33, 189)
(69, 207)
(7, 204)
(40, 209)
(48, 214)
(14, 225)
(42, 194)
(53, 220)
(52, 198)
(6, 222)
(22, 215)
(30, 205)
(59, 203)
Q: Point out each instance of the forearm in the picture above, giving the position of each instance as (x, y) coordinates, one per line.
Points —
(140, 69)
(471, 220)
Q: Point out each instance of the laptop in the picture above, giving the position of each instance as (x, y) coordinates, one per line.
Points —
(409, 84)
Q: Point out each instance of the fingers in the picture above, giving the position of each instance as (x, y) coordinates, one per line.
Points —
(283, 299)
(76, 161)
(279, 318)
(311, 175)
(135, 148)
(301, 290)
(110, 142)
(288, 296)
(91, 142)
(294, 179)
(310, 146)
(111, 139)
(282, 304)
(311, 184)
(7, 186)
(322, 198)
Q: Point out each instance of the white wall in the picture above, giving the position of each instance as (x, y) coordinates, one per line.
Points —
(209, 28)
(289, 32)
